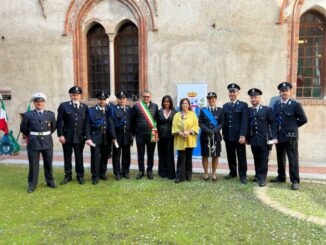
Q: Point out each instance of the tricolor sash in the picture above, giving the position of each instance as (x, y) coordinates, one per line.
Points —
(210, 116)
(150, 120)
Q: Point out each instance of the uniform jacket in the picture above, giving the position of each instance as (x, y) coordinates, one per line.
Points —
(164, 125)
(206, 125)
(262, 126)
(235, 120)
(71, 122)
(96, 127)
(179, 124)
(289, 117)
(32, 122)
(120, 124)
(139, 123)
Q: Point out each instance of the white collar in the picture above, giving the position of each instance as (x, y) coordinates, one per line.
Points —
(234, 102)
(285, 101)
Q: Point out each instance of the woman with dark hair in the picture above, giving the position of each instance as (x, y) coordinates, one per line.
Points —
(185, 129)
(166, 167)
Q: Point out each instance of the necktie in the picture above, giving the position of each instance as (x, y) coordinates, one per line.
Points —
(76, 106)
(40, 113)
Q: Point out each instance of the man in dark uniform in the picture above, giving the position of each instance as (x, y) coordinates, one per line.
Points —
(38, 125)
(211, 121)
(121, 136)
(143, 121)
(97, 137)
(234, 132)
(71, 132)
(262, 133)
(289, 116)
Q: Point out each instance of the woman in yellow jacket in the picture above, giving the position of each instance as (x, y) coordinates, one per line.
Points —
(185, 130)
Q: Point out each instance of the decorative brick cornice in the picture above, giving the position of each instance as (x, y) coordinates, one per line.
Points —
(76, 12)
(293, 22)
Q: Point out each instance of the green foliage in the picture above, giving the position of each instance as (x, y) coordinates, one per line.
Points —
(142, 212)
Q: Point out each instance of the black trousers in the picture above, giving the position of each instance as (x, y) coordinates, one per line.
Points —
(99, 161)
(110, 148)
(166, 165)
(79, 164)
(260, 154)
(144, 141)
(116, 156)
(184, 164)
(233, 150)
(291, 150)
(34, 165)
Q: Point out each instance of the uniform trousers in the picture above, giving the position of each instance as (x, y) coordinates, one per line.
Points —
(144, 141)
(233, 150)
(125, 162)
(99, 160)
(34, 164)
(260, 154)
(291, 150)
(79, 164)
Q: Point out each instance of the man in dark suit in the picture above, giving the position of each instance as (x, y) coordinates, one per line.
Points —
(289, 116)
(211, 121)
(121, 136)
(262, 133)
(234, 132)
(97, 137)
(143, 121)
(71, 132)
(38, 125)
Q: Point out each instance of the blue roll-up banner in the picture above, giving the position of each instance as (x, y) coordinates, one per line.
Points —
(196, 93)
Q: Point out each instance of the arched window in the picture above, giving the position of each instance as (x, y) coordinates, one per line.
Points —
(98, 61)
(311, 58)
(127, 60)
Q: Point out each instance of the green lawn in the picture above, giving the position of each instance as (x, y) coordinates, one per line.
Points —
(143, 212)
(310, 200)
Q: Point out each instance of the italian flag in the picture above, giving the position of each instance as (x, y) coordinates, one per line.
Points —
(3, 118)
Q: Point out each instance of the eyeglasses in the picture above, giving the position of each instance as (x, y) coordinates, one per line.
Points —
(146, 96)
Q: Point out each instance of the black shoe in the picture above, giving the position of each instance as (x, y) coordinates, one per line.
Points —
(295, 186)
(188, 178)
(65, 180)
(140, 175)
(117, 177)
(243, 181)
(81, 181)
(126, 176)
(30, 189)
(51, 184)
(95, 181)
(150, 175)
(255, 179)
(229, 176)
(277, 180)
(177, 181)
(262, 183)
(214, 178)
(206, 178)
(104, 177)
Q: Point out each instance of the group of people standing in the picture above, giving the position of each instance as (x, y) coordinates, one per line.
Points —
(110, 130)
